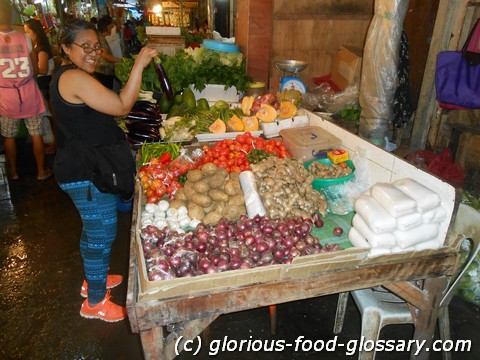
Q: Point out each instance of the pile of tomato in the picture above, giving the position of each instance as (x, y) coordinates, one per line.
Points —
(231, 154)
(162, 177)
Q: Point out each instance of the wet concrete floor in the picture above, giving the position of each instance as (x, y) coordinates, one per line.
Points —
(41, 275)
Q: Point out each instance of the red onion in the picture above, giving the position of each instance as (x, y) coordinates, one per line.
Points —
(235, 262)
(249, 240)
(261, 247)
(204, 264)
(211, 269)
(201, 247)
(223, 265)
(246, 264)
(267, 229)
(288, 242)
(202, 235)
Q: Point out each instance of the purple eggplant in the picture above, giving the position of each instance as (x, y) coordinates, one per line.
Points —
(164, 82)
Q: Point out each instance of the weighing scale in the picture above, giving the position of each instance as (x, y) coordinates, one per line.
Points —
(293, 67)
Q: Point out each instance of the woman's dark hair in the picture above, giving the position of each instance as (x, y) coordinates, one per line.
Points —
(103, 23)
(37, 28)
(68, 33)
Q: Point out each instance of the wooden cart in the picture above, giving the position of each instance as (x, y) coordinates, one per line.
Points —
(186, 314)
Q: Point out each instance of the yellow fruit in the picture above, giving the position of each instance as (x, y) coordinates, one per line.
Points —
(218, 127)
(247, 103)
(266, 113)
(250, 123)
(287, 110)
(235, 124)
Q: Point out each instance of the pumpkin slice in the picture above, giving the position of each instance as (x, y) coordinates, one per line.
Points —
(266, 113)
(235, 124)
(250, 123)
(218, 127)
(247, 103)
(287, 110)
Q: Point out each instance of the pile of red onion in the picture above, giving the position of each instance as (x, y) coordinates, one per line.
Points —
(243, 244)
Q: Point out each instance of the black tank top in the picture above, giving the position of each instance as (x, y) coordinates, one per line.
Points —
(83, 122)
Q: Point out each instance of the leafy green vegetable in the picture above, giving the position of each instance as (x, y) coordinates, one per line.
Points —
(257, 155)
(197, 66)
(150, 81)
(202, 66)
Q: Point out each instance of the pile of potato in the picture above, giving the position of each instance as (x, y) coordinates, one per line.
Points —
(210, 194)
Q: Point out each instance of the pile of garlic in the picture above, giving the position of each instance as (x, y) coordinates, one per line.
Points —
(161, 215)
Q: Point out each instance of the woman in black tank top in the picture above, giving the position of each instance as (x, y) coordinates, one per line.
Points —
(84, 108)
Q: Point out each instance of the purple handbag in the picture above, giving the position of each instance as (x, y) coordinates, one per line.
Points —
(457, 75)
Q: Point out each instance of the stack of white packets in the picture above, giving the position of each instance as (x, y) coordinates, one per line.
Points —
(397, 217)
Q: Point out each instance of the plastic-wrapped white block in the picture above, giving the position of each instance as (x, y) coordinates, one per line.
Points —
(253, 202)
(436, 216)
(428, 216)
(422, 233)
(407, 222)
(357, 239)
(431, 244)
(440, 215)
(426, 199)
(385, 240)
(396, 202)
(376, 217)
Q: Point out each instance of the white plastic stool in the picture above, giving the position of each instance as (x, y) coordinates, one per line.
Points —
(379, 307)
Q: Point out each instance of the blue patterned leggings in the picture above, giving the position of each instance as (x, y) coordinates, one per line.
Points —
(98, 212)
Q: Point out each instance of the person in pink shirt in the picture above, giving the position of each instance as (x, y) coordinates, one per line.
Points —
(21, 98)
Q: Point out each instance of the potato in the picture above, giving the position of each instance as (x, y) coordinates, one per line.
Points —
(188, 190)
(202, 200)
(233, 213)
(218, 207)
(195, 211)
(175, 204)
(235, 175)
(233, 187)
(236, 200)
(180, 194)
(212, 218)
(209, 169)
(217, 180)
(218, 195)
(195, 175)
(201, 186)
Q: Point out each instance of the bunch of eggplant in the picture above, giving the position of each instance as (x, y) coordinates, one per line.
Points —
(143, 123)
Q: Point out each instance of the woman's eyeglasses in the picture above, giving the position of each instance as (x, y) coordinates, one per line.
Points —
(88, 49)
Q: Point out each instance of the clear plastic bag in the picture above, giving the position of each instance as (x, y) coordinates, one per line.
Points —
(323, 98)
(340, 197)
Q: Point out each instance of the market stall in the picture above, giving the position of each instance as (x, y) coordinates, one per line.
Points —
(167, 313)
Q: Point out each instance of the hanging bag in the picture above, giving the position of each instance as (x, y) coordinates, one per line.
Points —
(457, 75)
(112, 166)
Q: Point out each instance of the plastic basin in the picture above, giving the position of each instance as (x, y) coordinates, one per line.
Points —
(319, 183)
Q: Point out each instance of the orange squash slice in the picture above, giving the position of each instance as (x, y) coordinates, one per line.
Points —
(246, 104)
(287, 110)
(266, 113)
(235, 124)
(250, 123)
(218, 127)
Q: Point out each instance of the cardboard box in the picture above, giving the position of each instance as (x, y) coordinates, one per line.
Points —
(346, 68)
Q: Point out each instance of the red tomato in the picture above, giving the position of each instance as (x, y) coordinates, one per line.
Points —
(152, 199)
